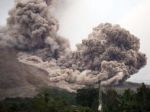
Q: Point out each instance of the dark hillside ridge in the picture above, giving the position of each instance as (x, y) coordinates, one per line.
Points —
(18, 79)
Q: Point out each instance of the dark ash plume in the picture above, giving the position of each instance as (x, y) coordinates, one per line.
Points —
(111, 51)
(31, 26)
(110, 54)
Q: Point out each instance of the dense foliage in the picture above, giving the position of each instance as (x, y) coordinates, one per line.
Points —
(129, 101)
(49, 100)
(86, 100)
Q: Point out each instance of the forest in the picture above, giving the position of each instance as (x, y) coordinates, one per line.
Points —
(85, 100)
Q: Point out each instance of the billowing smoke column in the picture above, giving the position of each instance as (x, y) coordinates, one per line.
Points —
(31, 27)
(110, 54)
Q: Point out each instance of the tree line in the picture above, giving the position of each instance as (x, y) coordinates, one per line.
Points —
(85, 100)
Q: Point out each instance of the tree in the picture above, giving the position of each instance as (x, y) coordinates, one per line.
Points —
(88, 98)
(143, 98)
(111, 101)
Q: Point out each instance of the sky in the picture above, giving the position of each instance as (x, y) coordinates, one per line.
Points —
(78, 17)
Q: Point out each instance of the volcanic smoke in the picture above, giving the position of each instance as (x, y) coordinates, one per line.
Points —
(110, 54)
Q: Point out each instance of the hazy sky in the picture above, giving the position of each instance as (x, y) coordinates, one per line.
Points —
(78, 17)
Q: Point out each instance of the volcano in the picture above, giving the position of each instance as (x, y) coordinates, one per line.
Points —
(18, 79)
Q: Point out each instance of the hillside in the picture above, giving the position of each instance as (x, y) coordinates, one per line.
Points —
(17, 79)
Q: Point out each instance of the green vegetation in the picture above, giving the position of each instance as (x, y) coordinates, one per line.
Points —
(129, 101)
(49, 100)
(86, 100)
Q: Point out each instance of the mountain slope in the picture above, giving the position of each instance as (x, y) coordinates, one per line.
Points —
(17, 79)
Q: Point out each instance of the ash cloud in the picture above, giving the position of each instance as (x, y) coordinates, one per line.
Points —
(31, 26)
(110, 51)
(110, 54)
